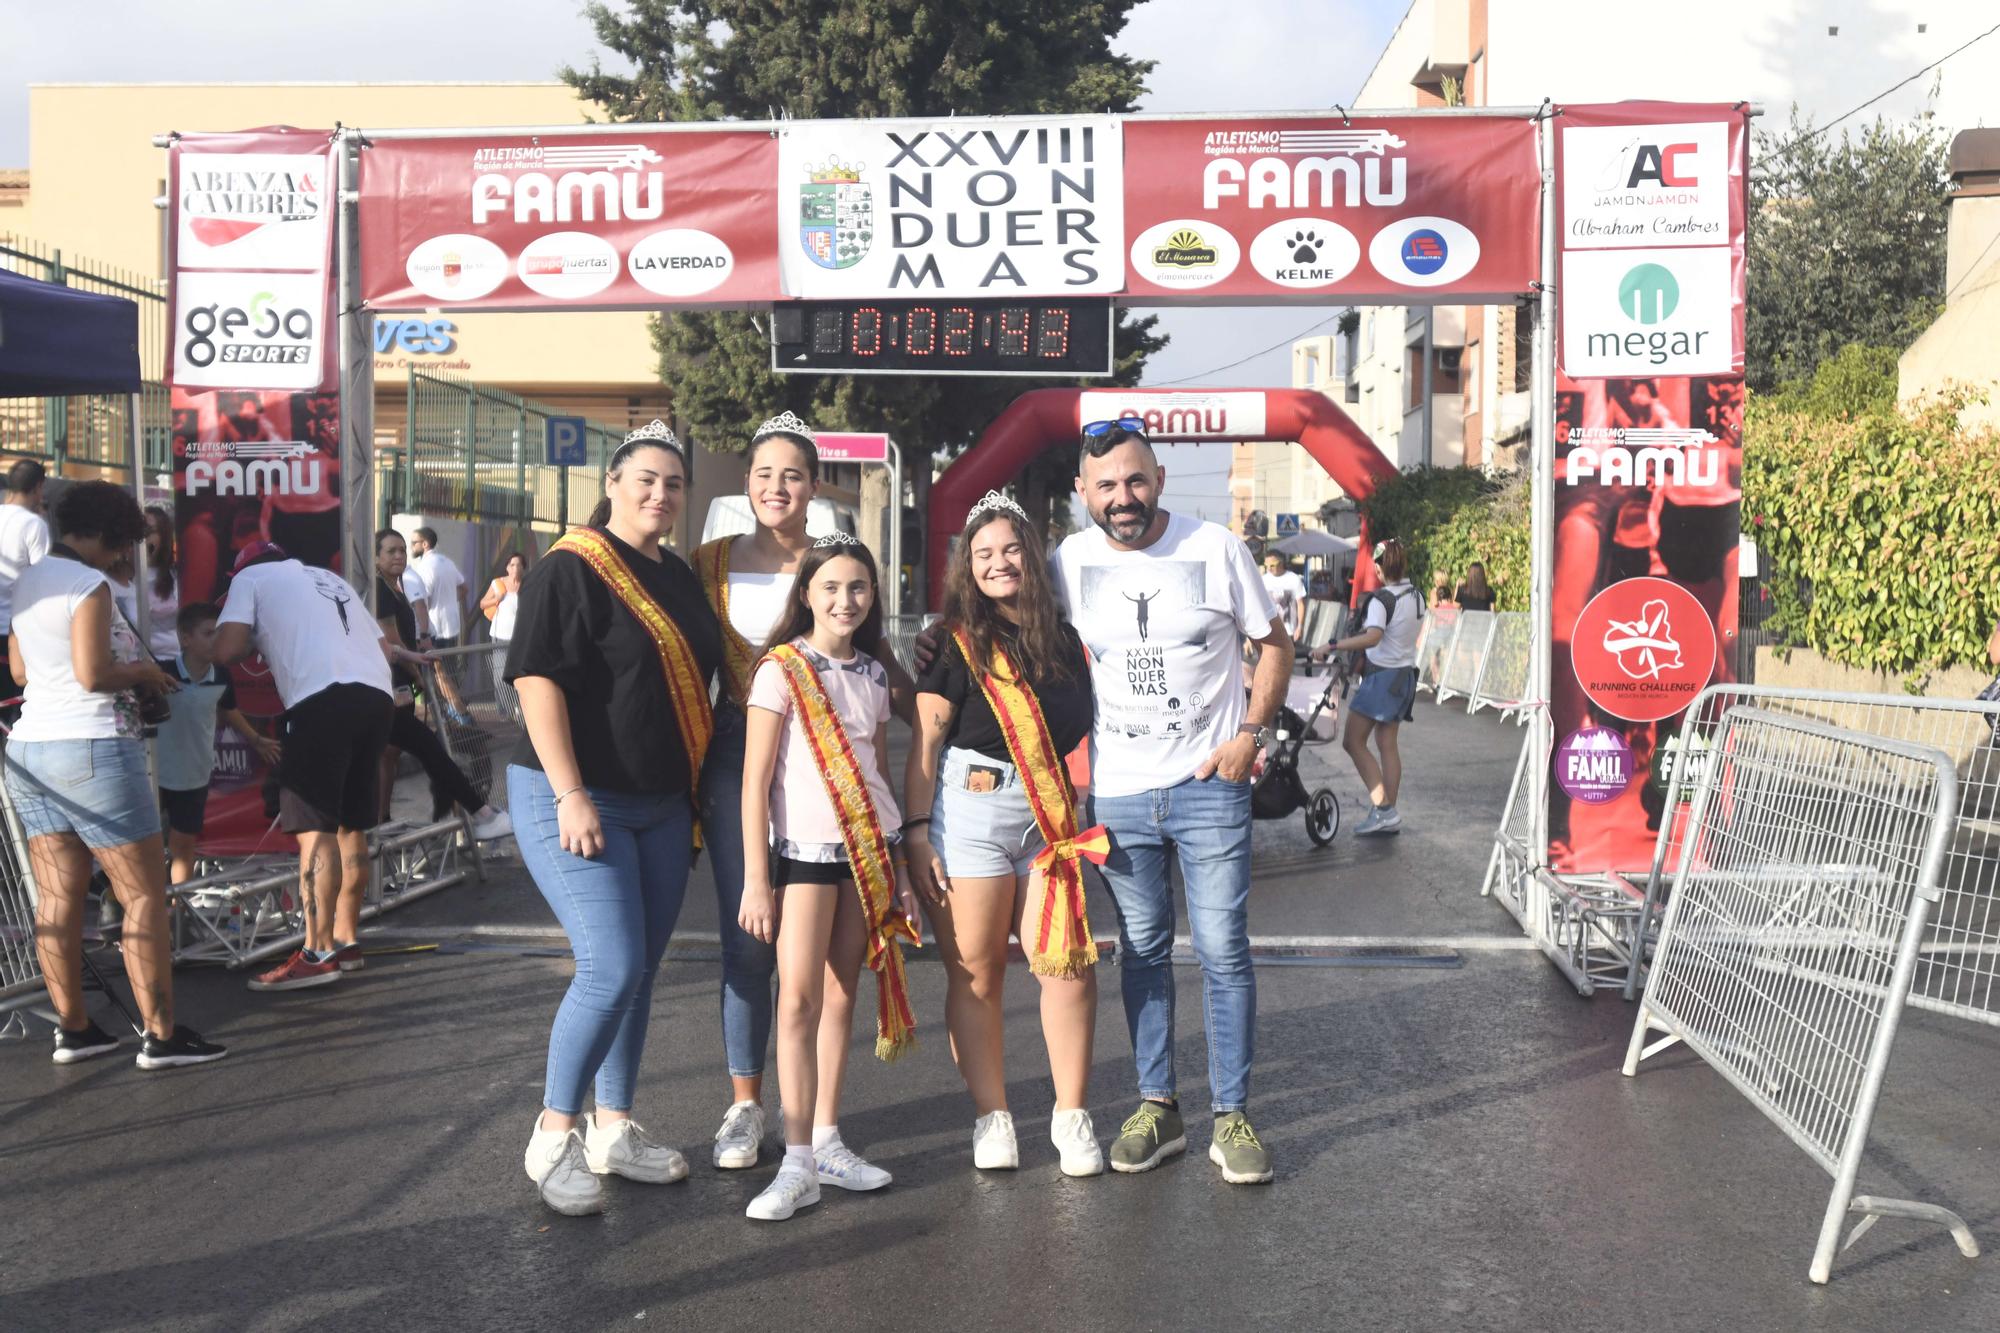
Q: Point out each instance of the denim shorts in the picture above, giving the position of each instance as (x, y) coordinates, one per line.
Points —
(982, 834)
(1387, 694)
(99, 790)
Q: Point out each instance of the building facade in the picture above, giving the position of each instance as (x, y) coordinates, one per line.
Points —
(1447, 384)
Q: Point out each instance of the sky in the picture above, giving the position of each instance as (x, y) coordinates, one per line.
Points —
(1248, 55)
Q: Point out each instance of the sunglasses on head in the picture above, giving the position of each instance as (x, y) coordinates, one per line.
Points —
(1128, 423)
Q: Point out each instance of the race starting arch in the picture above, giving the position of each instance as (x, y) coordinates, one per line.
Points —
(1044, 416)
(1006, 245)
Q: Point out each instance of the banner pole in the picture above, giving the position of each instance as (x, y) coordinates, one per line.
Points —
(357, 379)
(1543, 504)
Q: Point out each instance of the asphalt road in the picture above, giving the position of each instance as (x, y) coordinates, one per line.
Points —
(1454, 1143)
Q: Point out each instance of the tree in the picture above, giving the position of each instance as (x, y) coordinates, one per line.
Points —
(737, 59)
(1846, 244)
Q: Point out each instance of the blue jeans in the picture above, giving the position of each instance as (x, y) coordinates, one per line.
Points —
(618, 911)
(748, 964)
(1208, 824)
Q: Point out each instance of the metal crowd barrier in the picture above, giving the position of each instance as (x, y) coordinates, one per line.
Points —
(1503, 681)
(1459, 677)
(1435, 641)
(1808, 868)
(1958, 967)
(20, 969)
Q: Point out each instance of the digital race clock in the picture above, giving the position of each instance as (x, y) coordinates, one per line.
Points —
(943, 337)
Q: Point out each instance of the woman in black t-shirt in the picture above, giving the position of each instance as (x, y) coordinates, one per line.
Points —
(600, 792)
(1475, 594)
(971, 832)
(398, 619)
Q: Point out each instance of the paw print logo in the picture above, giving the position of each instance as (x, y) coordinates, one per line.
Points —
(1305, 246)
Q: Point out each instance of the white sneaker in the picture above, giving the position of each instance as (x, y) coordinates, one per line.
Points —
(489, 824)
(993, 1145)
(1076, 1140)
(1381, 819)
(622, 1147)
(556, 1163)
(840, 1165)
(792, 1189)
(741, 1138)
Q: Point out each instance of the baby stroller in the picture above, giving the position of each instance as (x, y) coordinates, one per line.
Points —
(1279, 790)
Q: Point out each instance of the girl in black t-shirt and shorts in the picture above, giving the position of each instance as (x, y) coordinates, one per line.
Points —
(971, 834)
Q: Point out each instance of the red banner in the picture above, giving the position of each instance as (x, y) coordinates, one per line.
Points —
(576, 222)
(1649, 457)
(256, 424)
(1401, 209)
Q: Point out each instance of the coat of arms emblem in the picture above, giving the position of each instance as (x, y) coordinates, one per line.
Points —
(836, 214)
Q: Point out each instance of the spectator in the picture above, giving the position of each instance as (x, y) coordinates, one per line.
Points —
(449, 785)
(184, 744)
(24, 534)
(327, 660)
(1286, 592)
(163, 593)
(1474, 594)
(1388, 641)
(444, 596)
(613, 654)
(981, 822)
(501, 604)
(76, 775)
(1160, 601)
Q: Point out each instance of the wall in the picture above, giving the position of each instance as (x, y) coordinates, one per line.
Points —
(94, 173)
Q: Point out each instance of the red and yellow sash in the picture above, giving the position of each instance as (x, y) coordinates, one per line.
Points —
(685, 685)
(1059, 943)
(867, 852)
(739, 655)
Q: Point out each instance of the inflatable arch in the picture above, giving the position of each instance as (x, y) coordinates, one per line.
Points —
(1036, 419)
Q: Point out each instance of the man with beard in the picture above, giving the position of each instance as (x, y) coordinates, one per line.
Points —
(1171, 758)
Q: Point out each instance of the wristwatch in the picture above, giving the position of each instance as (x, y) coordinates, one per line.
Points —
(1262, 734)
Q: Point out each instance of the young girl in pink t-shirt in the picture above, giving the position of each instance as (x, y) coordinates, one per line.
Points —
(799, 883)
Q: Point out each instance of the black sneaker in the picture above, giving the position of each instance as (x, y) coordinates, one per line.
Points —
(185, 1047)
(81, 1045)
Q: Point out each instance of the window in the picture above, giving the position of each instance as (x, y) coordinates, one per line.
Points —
(1446, 363)
(1413, 378)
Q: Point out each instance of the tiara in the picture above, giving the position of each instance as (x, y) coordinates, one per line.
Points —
(995, 500)
(655, 431)
(785, 423)
(837, 538)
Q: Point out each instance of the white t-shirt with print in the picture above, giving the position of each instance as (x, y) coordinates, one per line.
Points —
(312, 628)
(1398, 646)
(804, 824)
(24, 539)
(1286, 591)
(442, 582)
(57, 707)
(1163, 627)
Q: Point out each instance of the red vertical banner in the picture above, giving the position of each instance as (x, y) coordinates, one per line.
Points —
(256, 418)
(1649, 452)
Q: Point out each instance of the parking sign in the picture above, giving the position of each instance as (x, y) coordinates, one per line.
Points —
(568, 441)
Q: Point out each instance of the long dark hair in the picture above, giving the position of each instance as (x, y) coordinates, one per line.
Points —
(1041, 652)
(163, 567)
(798, 620)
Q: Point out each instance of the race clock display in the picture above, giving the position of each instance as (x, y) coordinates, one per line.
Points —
(976, 337)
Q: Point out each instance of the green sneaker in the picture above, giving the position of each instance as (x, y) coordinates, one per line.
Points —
(1238, 1151)
(1153, 1134)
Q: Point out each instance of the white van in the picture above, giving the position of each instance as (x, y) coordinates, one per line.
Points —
(730, 516)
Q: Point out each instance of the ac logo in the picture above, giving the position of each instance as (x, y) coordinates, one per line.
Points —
(1668, 166)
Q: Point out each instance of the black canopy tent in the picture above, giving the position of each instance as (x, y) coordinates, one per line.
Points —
(57, 340)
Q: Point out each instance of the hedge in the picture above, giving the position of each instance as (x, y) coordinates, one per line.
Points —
(1881, 533)
(1449, 517)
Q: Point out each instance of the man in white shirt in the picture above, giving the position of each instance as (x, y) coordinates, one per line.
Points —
(444, 603)
(327, 657)
(1163, 601)
(1287, 592)
(24, 537)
